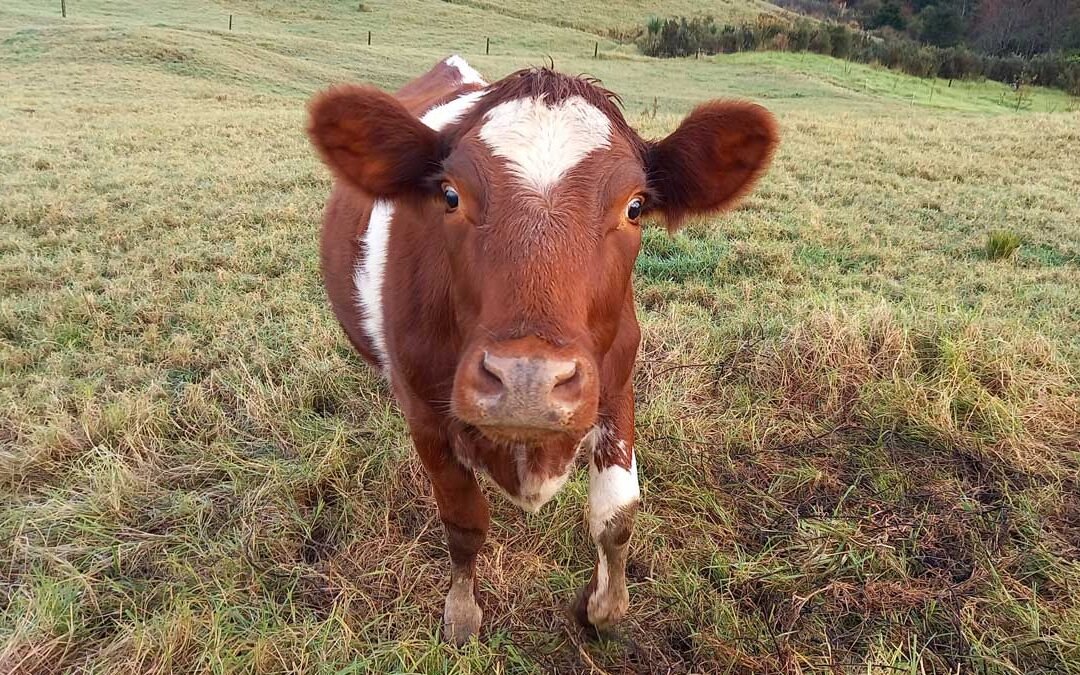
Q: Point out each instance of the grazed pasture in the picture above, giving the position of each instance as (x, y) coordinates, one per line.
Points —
(859, 434)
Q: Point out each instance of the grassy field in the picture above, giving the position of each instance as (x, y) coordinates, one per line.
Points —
(859, 430)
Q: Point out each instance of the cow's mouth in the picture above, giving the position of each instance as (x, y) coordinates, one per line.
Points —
(513, 434)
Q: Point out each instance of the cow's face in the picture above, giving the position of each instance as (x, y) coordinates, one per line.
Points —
(536, 191)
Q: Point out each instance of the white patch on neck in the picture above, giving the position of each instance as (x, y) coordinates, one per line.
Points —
(451, 111)
(543, 142)
(610, 490)
(534, 491)
(368, 277)
(467, 73)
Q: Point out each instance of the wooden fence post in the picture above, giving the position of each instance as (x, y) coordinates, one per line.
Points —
(596, 50)
(63, 8)
(487, 46)
(230, 22)
(369, 38)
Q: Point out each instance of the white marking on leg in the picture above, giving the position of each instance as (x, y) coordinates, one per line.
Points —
(601, 573)
(468, 74)
(450, 112)
(610, 490)
(368, 278)
(543, 142)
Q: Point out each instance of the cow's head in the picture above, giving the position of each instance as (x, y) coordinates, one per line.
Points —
(536, 188)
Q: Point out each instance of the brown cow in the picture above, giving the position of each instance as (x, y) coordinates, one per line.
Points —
(477, 248)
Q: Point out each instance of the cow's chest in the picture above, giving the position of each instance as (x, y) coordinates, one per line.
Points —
(528, 476)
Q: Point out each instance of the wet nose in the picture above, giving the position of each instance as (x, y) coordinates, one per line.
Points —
(527, 391)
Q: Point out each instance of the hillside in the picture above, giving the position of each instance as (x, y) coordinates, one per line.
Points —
(857, 425)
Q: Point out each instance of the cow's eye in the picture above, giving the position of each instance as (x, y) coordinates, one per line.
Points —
(451, 196)
(633, 209)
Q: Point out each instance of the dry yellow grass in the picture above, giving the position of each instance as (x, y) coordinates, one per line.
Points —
(858, 433)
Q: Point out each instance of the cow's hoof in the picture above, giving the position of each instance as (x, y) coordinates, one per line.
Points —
(600, 611)
(461, 617)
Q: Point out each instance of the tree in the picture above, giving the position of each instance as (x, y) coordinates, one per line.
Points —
(940, 25)
(890, 14)
(1025, 26)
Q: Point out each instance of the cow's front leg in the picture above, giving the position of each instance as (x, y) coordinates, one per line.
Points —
(463, 510)
(613, 502)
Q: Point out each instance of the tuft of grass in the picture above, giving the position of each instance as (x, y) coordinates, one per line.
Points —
(1002, 244)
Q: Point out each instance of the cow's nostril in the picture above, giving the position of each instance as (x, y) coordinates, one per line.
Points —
(564, 373)
(492, 367)
(491, 376)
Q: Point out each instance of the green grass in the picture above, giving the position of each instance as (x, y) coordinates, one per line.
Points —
(620, 19)
(858, 433)
(856, 80)
(1002, 244)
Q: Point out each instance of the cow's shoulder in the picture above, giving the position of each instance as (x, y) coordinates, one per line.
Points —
(445, 80)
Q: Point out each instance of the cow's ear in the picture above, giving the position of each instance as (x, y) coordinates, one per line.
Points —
(713, 158)
(369, 139)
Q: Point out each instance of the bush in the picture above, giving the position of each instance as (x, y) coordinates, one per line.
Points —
(842, 39)
(923, 62)
(779, 43)
(960, 63)
(821, 41)
(800, 35)
(1070, 77)
(1007, 69)
(679, 36)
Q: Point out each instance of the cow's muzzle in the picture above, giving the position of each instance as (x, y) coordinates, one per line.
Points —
(526, 388)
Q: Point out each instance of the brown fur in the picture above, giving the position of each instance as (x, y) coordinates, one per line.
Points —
(368, 138)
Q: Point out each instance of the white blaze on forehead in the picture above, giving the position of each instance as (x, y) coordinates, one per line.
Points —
(542, 142)
(610, 490)
(467, 73)
(450, 112)
(368, 277)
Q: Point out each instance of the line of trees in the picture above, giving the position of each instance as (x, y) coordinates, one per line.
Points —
(679, 36)
(995, 27)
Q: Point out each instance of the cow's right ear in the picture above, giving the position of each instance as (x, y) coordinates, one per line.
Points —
(369, 139)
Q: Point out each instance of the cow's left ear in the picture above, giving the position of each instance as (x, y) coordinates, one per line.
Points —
(713, 158)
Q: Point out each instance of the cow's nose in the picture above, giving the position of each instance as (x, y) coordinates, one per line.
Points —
(515, 373)
(526, 392)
